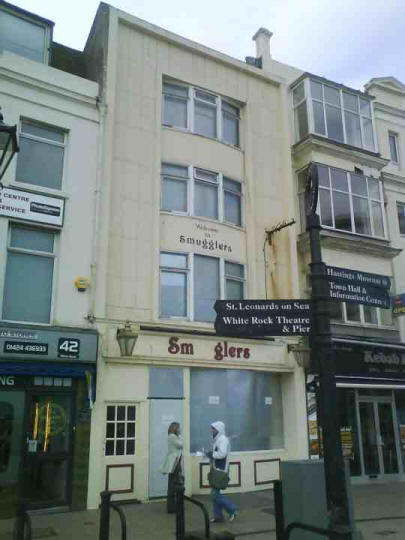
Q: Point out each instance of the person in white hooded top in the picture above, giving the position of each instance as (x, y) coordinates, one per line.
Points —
(220, 457)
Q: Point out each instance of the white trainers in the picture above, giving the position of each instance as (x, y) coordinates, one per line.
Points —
(232, 517)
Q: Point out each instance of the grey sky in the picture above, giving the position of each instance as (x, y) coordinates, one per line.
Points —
(348, 41)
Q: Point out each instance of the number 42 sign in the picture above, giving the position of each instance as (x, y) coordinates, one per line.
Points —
(68, 348)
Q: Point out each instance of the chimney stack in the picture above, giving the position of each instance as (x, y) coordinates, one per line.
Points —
(262, 39)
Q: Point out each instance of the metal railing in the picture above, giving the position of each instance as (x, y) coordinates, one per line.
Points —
(180, 517)
(22, 524)
(105, 507)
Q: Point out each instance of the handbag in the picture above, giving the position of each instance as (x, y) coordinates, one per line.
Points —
(218, 478)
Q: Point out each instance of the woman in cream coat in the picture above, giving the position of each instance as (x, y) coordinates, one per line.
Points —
(172, 463)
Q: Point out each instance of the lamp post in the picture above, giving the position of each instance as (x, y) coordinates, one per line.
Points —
(323, 362)
(8, 145)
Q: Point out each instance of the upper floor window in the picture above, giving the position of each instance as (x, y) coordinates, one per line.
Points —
(359, 314)
(22, 36)
(29, 275)
(41, 156)
(190, 284)
(393, 142)
(200, 112)
(348, 201)
(401, 217)
(334, 113)
(199, 192)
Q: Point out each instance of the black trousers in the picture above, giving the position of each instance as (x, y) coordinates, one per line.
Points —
(171, 489)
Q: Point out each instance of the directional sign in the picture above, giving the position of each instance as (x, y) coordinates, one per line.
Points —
(355, 287)
(244, 318)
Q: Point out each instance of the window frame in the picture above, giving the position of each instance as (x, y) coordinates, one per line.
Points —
(38, 253)
(402, 206)
(310, 112)
(362, 321)
(117, 404)
(51, 142)
(190, 112)
(189, 271)
(395, 137)
(190, 197)
(47, 33)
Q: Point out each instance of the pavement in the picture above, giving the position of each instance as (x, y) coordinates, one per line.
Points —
(379, 514)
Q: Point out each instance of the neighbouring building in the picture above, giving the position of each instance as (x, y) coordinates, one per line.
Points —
(48, 198)
(196, 167)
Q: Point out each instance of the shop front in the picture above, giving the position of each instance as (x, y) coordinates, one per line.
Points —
(370, 384)
(47, 380)
(254, 386)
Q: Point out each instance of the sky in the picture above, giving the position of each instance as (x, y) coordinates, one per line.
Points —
(346, 41)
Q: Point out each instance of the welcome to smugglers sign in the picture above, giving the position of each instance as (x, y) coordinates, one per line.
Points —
(355, 287)
(263, 317)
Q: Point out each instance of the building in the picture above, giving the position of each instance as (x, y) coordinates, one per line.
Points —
(47, 207)
(196, 167)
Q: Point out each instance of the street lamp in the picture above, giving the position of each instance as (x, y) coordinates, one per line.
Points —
(127, 337)
(8, 146)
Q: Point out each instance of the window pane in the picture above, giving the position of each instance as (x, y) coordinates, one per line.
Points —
(319, 119)
(110, 412)
(335, 310)
(298, 93)
(205, 119)
(378, 223)
(361, 216)
(334, 123)
(232, 211)
(22, 37)
(110, 430)
(33, 239)
(120, 430)
(45, 132)
(120, 447)
(233, 269)
(301, 120)
(121, 412)
(230, 129)
(341, 210)
(174, 195)
(370, 314)
(350, 102)
(109, 448)
(316, 90)
(209, 176)
(323, 174)
(234, 290)
(358, 184)
(401, 218)
(374, 189)
(131, 412)
(231, 109)
(205, 96)
(130, 448)
(131, 429)
(206, 200)
(386, 317)
(175, 90)
(365, 108)
(332, 95)
(353, 131)
(175, 112)
(326, 207)
(174, 170)
(353, 312)
(173, 260)
(368, 134)
(232, 185)
(173, 294)
(28, 288)
(40, 163)
(393, 147)
(339, 180)
(206, 287)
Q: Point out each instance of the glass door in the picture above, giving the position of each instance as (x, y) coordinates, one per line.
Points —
(48, 456)
(379, 444)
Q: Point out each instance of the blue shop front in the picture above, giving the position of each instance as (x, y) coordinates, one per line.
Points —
(47, 389)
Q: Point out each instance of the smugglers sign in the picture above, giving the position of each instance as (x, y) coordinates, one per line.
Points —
(355, 287)
(31, 206)
(244, 318)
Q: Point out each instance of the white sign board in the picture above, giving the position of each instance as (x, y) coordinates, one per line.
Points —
(31, 206)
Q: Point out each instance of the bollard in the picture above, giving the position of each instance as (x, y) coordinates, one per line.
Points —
(278, 509)
(104, 515)
(22, 524)
(179, 491)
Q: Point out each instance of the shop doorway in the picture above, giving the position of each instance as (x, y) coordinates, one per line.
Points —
(47, 462)
(378, 434)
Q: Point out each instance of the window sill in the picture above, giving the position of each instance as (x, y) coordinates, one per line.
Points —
(187, 131)
(208, 220)
(351, 242)
(25, 323)
(31, 188)
(368, 326)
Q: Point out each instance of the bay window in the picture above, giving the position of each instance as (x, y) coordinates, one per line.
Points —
(348, 201)
(198, 192)
(334, 112)
(200, 112)
(191, 283)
